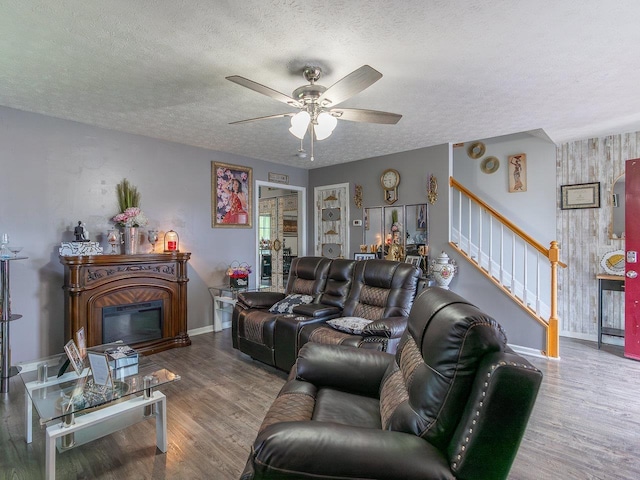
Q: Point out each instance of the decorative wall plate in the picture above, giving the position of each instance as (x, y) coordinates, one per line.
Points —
(613, 262)
(490, 165)
(476, 150)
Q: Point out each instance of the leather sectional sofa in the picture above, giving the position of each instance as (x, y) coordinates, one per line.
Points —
(379, 291)
(452, 403)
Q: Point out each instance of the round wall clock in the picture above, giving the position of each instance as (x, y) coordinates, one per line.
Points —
(390, 179)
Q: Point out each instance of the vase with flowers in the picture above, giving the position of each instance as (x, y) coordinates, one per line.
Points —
(130, 217)
(238, 274)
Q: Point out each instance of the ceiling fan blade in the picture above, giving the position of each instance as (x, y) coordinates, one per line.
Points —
(279, 115)
(369, 116)
(269, 92)
(348, 86)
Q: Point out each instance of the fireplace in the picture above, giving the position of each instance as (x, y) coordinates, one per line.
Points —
(140, 299)
(132, 323)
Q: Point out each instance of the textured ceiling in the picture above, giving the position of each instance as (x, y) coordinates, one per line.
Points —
(456, 70)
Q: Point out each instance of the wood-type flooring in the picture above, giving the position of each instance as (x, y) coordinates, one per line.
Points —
(585, 425)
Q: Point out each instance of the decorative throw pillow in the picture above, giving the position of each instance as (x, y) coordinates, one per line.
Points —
(287, 303)
(352, 325)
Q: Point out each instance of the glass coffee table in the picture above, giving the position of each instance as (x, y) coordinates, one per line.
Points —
(76, 412)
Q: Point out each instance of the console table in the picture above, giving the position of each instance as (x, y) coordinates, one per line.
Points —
(613, 283)
(93, 282)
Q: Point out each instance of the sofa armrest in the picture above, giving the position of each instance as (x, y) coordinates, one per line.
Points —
(259, 299)
(391, 327)
(311, 449)
(349, 369)
(497, 413)
(316, 310)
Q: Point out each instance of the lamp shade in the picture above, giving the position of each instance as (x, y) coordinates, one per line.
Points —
(299, 124)
(325, 126)
(171, 242)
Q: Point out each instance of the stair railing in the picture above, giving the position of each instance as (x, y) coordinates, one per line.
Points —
(522, 268)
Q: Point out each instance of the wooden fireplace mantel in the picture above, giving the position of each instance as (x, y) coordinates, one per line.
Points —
(92, 282)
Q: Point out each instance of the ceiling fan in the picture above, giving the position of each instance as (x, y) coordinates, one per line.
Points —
(318, 112)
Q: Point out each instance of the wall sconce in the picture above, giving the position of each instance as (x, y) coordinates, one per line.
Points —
(357, 198)
(432, 189)
(171, 241)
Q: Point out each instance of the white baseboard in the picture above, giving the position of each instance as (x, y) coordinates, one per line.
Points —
(531, 352)
(201, 330)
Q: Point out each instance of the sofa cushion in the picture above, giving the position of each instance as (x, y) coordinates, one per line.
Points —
(287, 303)
(353, 325)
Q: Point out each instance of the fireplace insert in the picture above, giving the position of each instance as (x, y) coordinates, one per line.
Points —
(132, 323)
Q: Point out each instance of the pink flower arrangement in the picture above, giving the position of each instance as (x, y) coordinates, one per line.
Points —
(131, 217)
(238, 271)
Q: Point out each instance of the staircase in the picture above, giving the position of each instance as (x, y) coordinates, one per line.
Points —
(522, 268)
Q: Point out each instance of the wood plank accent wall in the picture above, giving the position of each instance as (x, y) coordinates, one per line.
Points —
(584, 234)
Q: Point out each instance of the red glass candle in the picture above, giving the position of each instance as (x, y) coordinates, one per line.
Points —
(171, 242)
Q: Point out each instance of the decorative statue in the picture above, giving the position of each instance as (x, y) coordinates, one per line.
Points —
(79, 233)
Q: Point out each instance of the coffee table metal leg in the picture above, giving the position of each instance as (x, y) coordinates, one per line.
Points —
(161, 424)
(28, 417)
(49, 456)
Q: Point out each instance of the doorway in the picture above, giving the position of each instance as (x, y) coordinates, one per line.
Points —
(280, 235)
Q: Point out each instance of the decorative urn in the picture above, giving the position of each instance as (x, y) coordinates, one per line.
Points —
(443, 270)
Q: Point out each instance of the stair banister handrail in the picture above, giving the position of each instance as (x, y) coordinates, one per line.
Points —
(505, 221)
(552, 254)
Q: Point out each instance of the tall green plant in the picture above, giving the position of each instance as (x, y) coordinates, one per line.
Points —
(128, 195)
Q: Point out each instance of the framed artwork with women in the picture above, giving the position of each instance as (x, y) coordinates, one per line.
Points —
(231, 190)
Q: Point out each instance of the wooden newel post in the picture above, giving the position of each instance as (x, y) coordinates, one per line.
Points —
(553, 336)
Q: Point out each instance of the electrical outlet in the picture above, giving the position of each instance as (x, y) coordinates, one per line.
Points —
(357, 223)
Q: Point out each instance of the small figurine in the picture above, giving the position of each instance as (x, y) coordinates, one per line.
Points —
(80, 233)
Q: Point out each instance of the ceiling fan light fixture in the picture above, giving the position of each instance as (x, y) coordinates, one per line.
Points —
(325, 125)
(299, 124)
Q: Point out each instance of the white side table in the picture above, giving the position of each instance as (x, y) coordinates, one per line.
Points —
(222, 311)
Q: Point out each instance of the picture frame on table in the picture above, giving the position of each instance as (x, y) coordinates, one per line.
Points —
(364, 256)
(75, 358)
(580, 195)
(414, 260)
(231, 195)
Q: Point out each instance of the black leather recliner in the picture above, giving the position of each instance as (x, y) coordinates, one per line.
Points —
(453, 403)
(378, 290)
(382, 291)
(253, 325)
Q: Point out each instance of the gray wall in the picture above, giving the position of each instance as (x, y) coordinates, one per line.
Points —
(415, 167)
(56, 173)
(535, 209)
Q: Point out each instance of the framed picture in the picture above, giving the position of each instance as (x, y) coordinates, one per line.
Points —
(364, 256)
(74, 356)
(414, 260)
(518, 173)
(231, 191)
(82, 342)
(580, 195)
(99, 363)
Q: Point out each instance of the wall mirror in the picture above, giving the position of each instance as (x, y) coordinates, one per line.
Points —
(616, 228)
(398, 230)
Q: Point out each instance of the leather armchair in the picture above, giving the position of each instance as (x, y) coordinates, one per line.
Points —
(453, 402)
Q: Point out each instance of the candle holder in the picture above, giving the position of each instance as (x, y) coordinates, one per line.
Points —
(171, 242)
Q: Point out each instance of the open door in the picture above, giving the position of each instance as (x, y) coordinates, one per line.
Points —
(281, 214)
(632, 260)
